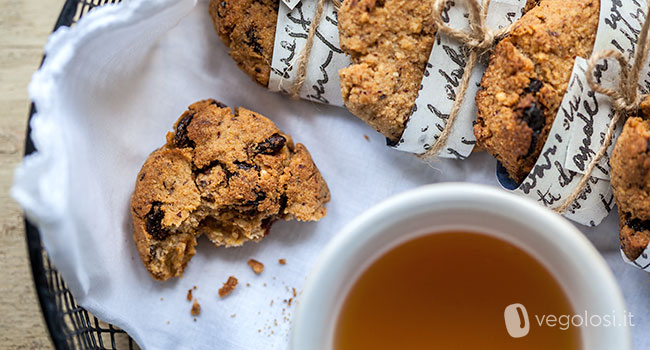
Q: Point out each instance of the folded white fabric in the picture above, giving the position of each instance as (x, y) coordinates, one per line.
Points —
(107, 93)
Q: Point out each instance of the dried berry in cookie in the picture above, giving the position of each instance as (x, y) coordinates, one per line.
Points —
(223, 173)
(527, 77)
(247, 28)
(389, 43)
(630, 178)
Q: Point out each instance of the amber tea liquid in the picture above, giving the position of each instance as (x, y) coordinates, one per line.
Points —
(449, 291)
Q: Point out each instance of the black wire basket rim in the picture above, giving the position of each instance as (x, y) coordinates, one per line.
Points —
(47, 299)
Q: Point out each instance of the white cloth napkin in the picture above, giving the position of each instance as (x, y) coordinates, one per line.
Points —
(107, 93)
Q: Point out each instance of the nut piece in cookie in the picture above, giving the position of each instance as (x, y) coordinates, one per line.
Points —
(228, 175)
(527, 77)
(247, 28)
(630, 178)
(389, 42)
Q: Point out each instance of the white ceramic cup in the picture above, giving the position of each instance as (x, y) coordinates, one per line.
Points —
(552, 240)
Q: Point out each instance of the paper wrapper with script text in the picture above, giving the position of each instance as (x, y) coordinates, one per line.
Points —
(440, 85)
(325, 59)
(581, 124)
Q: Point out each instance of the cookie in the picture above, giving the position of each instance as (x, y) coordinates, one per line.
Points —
(389, 43)
(247, 28)
(223, 173)
(630, 178)
(527, 77)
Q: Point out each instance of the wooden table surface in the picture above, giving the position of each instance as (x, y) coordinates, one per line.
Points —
(24, 28)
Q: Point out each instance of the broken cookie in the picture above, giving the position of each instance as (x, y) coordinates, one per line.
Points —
(223, 173)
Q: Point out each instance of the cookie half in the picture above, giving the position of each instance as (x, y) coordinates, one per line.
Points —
(389, 43)
(247, 28)
(630, 178)
(527, 78)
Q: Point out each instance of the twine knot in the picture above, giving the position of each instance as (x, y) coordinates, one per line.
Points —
(626, 98)
(480, 40)
(479, 37)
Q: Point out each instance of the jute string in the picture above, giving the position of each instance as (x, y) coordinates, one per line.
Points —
(625, 100)
(479, 39)
(303, 58)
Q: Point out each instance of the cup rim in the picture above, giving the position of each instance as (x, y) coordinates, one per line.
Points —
(365, 225)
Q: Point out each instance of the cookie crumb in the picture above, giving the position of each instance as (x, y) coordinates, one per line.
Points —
(196, 309)
(161, 299)
(228, 287)
(233, 315)
(257, 266)
(366, 137)
(194, 287)
(294, 292)
(189, 295)
(248, 284)
(282, 261)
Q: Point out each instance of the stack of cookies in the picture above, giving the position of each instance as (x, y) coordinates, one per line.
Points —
(229, 174)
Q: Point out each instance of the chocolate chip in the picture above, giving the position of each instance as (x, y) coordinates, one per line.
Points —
(638, 225)
(218, 104)
(647, 146)
(272, 145)
(260, 196)
(283, 203)
(181, 140)
(154, 222)
(253, 40)
(530, 111)
(206, 170)
(534, 86)
(266, 224)
(243, 165)
(533, 115)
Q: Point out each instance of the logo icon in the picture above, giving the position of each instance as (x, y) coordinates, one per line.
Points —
(516, 318)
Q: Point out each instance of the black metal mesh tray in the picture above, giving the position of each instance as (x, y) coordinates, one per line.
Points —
(70, 326)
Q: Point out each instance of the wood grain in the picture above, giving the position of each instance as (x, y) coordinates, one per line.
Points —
(24, 28)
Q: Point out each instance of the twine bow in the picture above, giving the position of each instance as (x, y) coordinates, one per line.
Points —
(303, 58)
(625, 100)
(479, 39)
